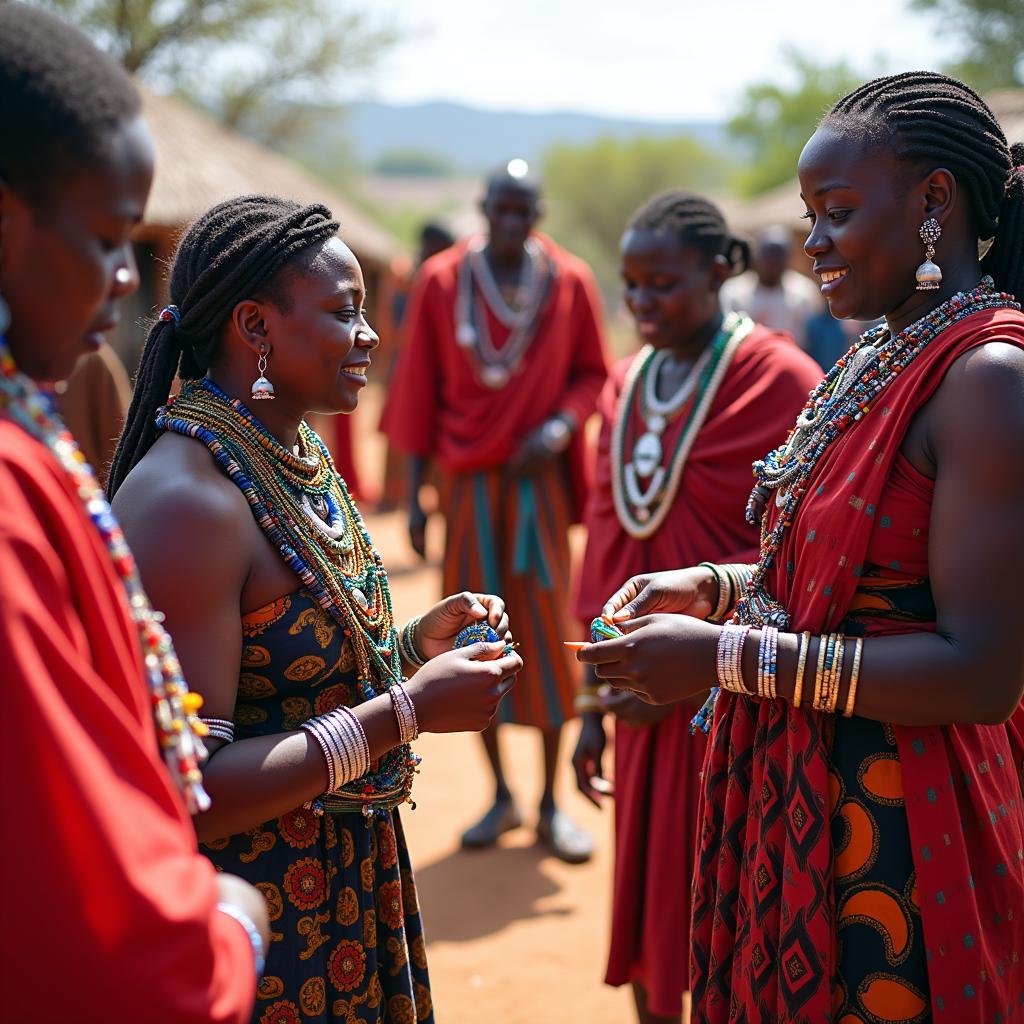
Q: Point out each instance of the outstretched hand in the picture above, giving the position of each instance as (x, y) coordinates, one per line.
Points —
(660, 658)
(439, 626)
(691, 592)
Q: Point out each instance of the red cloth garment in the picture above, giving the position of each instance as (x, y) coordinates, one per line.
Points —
(437, 407)
(764, 931)
(657, 768)
(109, 913)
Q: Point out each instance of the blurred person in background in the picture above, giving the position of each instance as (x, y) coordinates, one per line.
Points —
(503, 364)
(681, 423)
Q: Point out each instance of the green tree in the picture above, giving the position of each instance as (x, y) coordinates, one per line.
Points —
(258, 65)
(774, 121)
(992, 33)
(591, 191)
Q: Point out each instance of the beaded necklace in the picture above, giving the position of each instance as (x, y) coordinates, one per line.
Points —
(174, 707)
(495, 366)
(845, 396)
(632, 503)
(331, 553)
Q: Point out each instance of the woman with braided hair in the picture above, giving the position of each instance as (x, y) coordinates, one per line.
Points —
(710, 393)
(279, 603)
(861, 849)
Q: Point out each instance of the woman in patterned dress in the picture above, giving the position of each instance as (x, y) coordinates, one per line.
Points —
(861, 855)
(253, 550)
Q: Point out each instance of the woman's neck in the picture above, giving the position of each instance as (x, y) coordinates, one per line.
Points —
(962, 276)
(276, 415)
(688, 349)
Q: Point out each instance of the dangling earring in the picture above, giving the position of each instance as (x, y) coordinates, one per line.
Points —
(928, 274)
(261, 387)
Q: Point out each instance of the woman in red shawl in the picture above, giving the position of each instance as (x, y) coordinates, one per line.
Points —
(861, 852)
(715, 392)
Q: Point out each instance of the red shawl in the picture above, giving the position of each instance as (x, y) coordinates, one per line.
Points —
(764, 921)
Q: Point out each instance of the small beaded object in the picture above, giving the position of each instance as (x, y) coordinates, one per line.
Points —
(219, 728)
(174, 707)
(304, 508)
(801, 664)
(767, 662)
(730, 657)
(407, 648)
(477, 633)
(601, 629)
(851, 694)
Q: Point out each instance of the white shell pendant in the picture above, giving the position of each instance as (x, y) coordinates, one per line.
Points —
(647, 454)
(360, 599)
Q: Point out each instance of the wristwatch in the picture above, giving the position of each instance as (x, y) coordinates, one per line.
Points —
(555, 435)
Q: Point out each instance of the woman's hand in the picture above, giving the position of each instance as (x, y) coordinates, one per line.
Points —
(587, 757)
(438, 628)
(459, 691)
(683, 591)
(661, 658)
(630, 709)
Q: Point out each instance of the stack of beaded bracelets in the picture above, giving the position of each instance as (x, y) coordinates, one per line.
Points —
(829, 673)
(767, 662)
(407, 648)
(730, 658)
(219, 728)
(343, 741)
(405, 713)
(732, 580)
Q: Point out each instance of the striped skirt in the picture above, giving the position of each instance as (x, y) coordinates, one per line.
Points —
(509, 535)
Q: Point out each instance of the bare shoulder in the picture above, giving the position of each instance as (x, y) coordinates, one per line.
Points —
(177, 508)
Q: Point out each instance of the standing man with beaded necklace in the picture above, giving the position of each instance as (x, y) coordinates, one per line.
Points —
(503, 365)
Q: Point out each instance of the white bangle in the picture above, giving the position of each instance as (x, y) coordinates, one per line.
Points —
(259, 954)
(405, 713)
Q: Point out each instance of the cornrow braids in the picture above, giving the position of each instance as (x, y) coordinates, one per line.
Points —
(62, 98)
(694, 221)
(930, 119)
(241, 248)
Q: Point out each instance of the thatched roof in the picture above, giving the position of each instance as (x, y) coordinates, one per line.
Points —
(199, 163)
(782, 205)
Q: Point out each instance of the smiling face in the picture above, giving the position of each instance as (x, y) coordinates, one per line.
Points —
(670, 288)
(865, 209)
(320, 343)
(64, 267)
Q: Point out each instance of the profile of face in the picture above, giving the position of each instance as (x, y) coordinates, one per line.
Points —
(64, 266)
(671, 289)
(511, 212)
(317, 341)
(865, 209)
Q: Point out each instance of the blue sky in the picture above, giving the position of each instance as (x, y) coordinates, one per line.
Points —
(649, 59)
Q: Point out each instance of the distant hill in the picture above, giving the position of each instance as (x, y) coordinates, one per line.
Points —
(473, 140)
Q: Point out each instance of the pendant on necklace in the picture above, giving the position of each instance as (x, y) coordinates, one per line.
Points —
(465, 335)
(656, 423)
(360, 599)
(647, 454)
(495, 377)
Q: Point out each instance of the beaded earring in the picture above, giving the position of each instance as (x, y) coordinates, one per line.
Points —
(928, 274)
(261, 387)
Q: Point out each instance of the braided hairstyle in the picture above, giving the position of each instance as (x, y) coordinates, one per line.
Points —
(61, 100)
(694, 222)
(246, 247)
(931, 120)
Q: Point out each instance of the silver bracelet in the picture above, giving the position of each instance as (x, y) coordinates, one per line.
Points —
(407, 648)
(405, 713)
(219, 728)
(259, 953)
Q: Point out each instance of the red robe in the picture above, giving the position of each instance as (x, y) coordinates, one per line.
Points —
(657, 768)
(109, 913)
(438, 408)
(764, 925)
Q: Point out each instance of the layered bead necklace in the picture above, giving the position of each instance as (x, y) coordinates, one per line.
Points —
(643, 508)
(174, 707)
(304, 508)
(495, 367)
(845, 396)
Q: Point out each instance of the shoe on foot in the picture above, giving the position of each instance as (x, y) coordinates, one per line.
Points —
(500, 818)
(565, 838)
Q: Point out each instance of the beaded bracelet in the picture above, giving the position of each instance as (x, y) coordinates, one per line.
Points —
(835, 670)
(767, 662)
(405, 713)
(407, 644)
(255, 939)
(801, 664)
(219, 728)
(730, 658)
(344, 744)
(723, 603)
(739, 576)
(851, 696)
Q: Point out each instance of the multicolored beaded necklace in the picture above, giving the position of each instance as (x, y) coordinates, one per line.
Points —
(633, 505)
(174, 708)
(844, 397)
(305, 510)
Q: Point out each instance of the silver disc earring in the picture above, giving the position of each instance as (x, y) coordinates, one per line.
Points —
(928, 274)
(261, 387)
